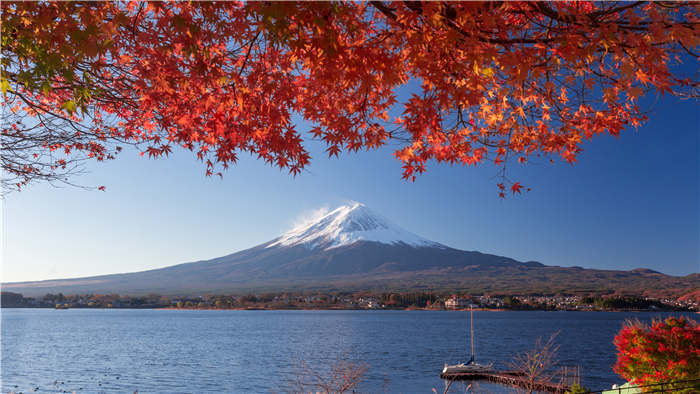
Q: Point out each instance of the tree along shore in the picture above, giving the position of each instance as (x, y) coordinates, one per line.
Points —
(355, 301)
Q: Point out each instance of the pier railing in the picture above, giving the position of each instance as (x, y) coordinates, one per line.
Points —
(510, 378)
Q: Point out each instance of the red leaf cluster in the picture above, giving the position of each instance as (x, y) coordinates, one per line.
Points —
(494, 81)
(665, 352)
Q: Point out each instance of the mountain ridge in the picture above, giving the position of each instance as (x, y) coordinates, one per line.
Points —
(352, 247)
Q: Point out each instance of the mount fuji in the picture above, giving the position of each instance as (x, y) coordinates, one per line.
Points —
(349, 248)
(347, 225)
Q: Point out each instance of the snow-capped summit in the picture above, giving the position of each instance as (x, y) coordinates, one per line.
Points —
(349, 224)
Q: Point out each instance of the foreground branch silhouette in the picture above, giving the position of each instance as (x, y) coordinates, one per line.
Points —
(343, 377)
(538, 364)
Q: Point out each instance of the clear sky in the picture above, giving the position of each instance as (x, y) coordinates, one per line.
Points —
(629, 202)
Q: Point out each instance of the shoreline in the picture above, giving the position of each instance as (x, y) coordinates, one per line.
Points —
(414, 309)
(171, 308)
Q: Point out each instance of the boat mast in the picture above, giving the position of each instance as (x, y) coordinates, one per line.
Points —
(471, 324)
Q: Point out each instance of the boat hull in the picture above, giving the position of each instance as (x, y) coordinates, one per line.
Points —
(467, 368)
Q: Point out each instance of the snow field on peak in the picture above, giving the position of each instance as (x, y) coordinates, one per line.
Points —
(349, 224)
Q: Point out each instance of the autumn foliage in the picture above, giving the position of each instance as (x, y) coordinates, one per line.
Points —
(499, 82)
(665, 352)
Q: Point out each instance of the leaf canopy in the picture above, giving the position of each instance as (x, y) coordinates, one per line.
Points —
(497, 82)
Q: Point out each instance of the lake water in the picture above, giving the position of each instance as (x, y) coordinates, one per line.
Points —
(177, 351)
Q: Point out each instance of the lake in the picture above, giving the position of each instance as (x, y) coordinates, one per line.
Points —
(181, 351)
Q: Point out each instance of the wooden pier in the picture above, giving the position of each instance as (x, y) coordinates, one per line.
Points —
(508, 378)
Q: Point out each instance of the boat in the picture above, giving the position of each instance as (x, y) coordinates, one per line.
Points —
(470, 366)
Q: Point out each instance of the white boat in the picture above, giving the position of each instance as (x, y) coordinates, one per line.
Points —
(471, 365)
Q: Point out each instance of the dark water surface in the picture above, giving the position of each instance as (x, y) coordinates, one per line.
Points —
(175, 351)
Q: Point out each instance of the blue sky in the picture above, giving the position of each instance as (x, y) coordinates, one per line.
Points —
(629, 202)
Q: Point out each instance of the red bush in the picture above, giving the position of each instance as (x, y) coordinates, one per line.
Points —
(665, 352)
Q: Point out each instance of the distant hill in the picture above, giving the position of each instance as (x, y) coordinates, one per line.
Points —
(354, 248)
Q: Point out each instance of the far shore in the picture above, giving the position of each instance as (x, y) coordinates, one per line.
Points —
(418, 301)
(170, 308)
(410, 309)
